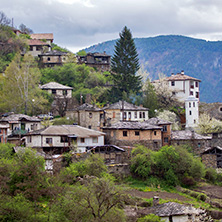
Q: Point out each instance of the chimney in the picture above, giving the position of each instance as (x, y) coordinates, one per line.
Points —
(155, 200)
(172, 74)
(182, 72)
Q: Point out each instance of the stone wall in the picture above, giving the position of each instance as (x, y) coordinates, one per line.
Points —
(209, 160)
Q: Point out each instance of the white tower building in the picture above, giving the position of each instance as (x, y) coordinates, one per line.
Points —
(192, 112)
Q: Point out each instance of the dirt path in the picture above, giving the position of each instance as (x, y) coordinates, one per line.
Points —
(162, 195)
(211, 191)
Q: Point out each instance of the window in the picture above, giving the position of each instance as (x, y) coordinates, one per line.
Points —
(193, 104)
(29, 139)
(189, 104)
(48, 140)
(198, 145)
(164, 128)
(220, 109)
(82, 140)
(165, 140)
(64, 139)
(140, 115)
(95, 139)
(124, 115)
(90, 115)
(154, 133)
(137, 133)
(172, 83)
(197, 84)
(114, 115)
(89, 127)
(197, 94)
(135, 115)
(194, 121)
(173, 93)
(65, 92)
(53, 91)
(191, 93)
(190, 113)
(129, 114)
(124, 133)
(48, 59)
(144, 115)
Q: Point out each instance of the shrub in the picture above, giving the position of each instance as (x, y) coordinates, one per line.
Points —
(188, 181)
(150, 218)
(211, 175)
(202, 197)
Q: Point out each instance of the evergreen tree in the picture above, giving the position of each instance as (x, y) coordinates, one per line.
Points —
(124, 65)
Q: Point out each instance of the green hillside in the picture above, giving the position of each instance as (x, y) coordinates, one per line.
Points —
(171, 54)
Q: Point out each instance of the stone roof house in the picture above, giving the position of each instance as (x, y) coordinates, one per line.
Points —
(87, 115)
(187, 137)
(57, 89)
(48, 37)
(100, 61)
(124, 111)
(52, 58)
(61, 138)
(36, 47)
(129, 133)
(19, 124)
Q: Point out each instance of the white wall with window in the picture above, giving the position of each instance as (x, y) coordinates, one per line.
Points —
(192, 112)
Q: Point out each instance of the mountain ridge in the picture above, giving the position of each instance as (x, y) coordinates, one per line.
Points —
(168, 54)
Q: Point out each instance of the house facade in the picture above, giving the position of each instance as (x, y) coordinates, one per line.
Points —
(58, 139)
(187, 137)
(52, 58)
(100, 61)
(183, 85)
(57, 89)
(87, 115)
(36, 47)
(166, 129)
(124, 111)
(126, 133)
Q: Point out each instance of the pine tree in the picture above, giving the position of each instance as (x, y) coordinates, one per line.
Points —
(124, 65)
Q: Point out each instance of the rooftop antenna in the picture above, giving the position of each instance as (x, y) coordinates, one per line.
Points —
(12, 22)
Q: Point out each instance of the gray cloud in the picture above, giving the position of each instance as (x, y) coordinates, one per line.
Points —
(83, 22)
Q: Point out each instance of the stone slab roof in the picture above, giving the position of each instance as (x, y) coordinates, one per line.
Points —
(67, 130)
(37, 42)
(19, 117)
(211, 148)
(53, 53)
(180, 76)
(157, 121)
(188, 135)
(42, 36)
(175, 209)
(54, 85)
(88, 107)
(133, 125)
(127, 106)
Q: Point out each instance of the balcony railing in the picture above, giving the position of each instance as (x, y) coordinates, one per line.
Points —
(19, 132)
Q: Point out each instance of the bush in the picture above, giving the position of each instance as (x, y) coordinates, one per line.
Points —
(188, 181)
(150, 218)
(202, 197)
(211, 175)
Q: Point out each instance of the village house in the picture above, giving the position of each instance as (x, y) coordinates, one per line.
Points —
(124, 111)
(87, 115)
(45, 37)
(36, 47)
(197, 142)
(57, 89)
(166, 129)
(52, 58)
(19, 124)
(99, 61)
(182, 85)
(130, 133)
(212, 157)
(58, 139)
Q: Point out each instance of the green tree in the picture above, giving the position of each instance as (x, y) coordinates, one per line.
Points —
(20, 86)
(150, 99)
(124, 65)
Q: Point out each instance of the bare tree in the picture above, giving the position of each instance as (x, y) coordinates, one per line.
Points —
(4, 20)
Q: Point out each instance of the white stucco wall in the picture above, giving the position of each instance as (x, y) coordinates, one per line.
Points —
(59, 92)
(135, 117)
(192, 112)
(182, 218)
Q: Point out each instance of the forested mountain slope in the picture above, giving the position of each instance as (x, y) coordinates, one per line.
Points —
(171, 54)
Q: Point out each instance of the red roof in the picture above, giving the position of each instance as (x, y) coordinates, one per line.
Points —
(179, 77)
(47, 36)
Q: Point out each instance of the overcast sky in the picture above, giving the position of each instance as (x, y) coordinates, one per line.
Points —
(77, 24)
